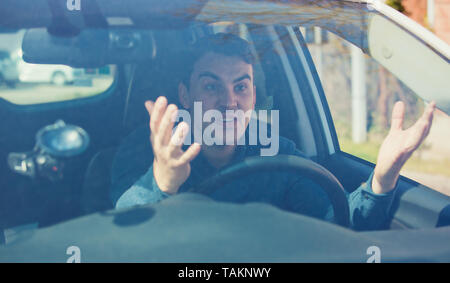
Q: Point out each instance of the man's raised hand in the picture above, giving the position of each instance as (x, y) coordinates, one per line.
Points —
(398, 146)
(171, 166)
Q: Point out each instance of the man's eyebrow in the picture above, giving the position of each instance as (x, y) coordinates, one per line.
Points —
(208, 74)
(246, 76)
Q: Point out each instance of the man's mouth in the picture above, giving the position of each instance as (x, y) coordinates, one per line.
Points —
(228, 118)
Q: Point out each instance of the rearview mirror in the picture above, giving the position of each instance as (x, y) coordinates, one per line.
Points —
(88, 49)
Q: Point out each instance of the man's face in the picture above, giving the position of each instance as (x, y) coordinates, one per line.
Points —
(222, 83)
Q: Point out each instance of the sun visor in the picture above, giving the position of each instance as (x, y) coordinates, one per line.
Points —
(82, 14)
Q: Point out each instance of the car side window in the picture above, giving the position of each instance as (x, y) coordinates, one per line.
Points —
(22, 83)
(361, 94)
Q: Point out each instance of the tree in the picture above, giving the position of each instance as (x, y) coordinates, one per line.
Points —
(396, 4)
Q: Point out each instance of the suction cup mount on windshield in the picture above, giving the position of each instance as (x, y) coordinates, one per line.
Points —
(54, 145)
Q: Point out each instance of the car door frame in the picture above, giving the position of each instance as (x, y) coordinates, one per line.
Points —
(415, 205)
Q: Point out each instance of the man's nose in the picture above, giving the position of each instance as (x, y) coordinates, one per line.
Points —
(229, 99)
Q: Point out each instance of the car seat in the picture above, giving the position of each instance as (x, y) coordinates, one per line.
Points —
(148, 80)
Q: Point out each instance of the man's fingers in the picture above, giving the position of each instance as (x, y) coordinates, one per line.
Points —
(428, 113)
(190, 154)
(397, 116)
(428, 116)
(178, 137)
(149, 105)
(423, 125)
(157, 113)
(166, 125)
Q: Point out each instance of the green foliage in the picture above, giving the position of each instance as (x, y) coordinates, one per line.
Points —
(369, 151)
(396, 4)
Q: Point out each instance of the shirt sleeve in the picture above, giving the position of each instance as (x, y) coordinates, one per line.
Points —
(368, 210)
(144, 191)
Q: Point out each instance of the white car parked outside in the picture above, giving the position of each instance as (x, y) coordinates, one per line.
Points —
(41, 73)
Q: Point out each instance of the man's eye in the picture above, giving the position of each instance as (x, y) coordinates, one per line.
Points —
(210, 87)
(240, 88)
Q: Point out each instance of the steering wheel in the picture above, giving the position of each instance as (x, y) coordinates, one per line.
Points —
(293, 163)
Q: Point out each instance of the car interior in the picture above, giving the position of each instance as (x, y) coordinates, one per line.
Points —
(112, 116)
(286, 79)
(109, 118)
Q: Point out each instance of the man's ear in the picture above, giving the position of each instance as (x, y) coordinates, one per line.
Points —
(183, 96)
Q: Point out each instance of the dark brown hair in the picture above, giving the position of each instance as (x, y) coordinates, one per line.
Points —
(222, 43)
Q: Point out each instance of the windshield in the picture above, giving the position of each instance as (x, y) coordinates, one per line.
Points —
(76, 131)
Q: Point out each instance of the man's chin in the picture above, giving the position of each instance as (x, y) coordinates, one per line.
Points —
(230, 138)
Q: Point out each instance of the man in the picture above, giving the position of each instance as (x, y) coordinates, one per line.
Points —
(221, 77)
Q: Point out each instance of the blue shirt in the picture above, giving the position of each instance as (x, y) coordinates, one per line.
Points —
(133, 184)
